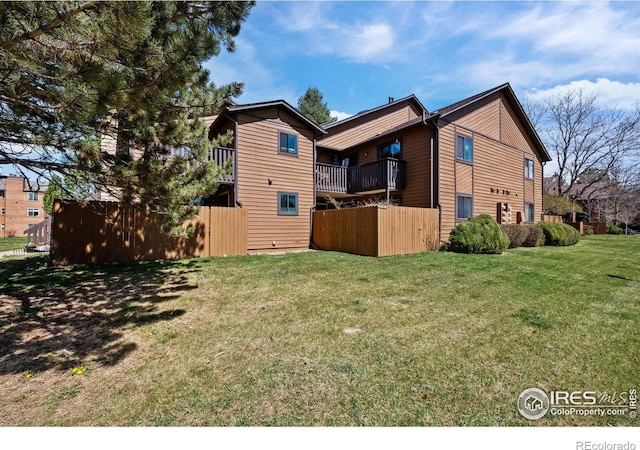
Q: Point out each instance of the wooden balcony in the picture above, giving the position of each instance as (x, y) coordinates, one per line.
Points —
(379, 175)
(225, 158)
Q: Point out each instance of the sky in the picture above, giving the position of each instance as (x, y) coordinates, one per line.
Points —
(358, 54)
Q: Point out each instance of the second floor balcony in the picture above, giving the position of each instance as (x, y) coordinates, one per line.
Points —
(387, 173)
(225, 158)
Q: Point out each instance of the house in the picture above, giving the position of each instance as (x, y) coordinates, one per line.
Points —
(20, 204)
(479, 155)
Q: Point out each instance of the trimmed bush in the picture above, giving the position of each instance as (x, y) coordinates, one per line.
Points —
(517, 234)
(559, 234)
(588, 230)
(613, 229)
(480, 234)
(534, 236)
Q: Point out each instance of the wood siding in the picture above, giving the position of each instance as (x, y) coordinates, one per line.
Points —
(263, 172)
(500, 147)
(99, 232)
(371, 125)
(376, 230)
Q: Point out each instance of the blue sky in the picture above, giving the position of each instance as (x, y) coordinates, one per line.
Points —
(360, 53)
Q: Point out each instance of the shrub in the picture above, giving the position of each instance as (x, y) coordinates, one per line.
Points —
(534, 236)
(517, 234)
(559, 234)
(588, 230)
(613, 229)
(480, 234)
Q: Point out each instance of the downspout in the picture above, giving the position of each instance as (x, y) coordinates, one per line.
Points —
(313, 208)
(542, 189)
(435, 170)
(236, 202)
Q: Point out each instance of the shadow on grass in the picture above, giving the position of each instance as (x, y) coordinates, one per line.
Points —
(79, 314)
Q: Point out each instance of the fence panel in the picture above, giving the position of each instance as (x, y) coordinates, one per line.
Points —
(549, 218)
(98, 232)
(377, 230)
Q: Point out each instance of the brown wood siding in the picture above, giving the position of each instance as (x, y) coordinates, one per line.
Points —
(464, 178)
(485, 119)
(511, 130)
(500, 146)
(529, 194)
(258, 162)
(324, 157)
(370, 126)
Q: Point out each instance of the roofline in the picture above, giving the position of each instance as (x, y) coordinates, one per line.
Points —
(271, 104)
(376, 109)
(522, 115)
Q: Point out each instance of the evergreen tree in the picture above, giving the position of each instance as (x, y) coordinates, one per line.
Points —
(73, 186)
(311, 105)
(72, 73)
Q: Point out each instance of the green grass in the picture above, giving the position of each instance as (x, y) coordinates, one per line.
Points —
(12, 243)
(320, 338)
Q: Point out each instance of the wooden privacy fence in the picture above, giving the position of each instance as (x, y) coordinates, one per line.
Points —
(377, 230)
(98, 232)
(549, 218)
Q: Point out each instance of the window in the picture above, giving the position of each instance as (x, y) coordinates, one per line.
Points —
(528, 168)
(464, 148)
(529, 212)
(32, 196)
(287, 204)
(390, 150)
(2, 212)
(464, 207)
(30, 225)
(2, 193)
(33, 212)
(288, 143)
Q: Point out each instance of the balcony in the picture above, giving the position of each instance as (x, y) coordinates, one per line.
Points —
(380, 175)
(225, 158)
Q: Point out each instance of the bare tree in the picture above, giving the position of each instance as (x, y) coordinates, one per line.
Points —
(589, 142)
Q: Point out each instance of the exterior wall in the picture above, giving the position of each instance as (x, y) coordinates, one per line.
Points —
(263, 172)
(361, 129)
(16, 205)
(500, 147)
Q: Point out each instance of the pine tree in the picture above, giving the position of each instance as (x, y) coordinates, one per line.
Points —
(73, 72)
(311, 105)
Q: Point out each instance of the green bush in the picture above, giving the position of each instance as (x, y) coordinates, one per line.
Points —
(534, 236)
(588, 230)
(613, 229)
(480, 234)
(516, 233)
(559, 234)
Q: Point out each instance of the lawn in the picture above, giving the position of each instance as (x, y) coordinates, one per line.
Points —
(12, 243)
(319, 338)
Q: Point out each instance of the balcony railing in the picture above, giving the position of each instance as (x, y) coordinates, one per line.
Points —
(386, 173)
(225, 158)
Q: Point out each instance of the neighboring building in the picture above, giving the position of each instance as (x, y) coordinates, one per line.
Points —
(20, 205)
(477, 156)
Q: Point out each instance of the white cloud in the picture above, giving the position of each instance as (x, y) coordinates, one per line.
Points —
(367, 43)
(612, 94)
(340, 115)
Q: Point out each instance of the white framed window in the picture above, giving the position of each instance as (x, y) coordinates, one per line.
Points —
(32, 196)
(33, 212)
(464, 207)
(288, 143)
(287, 203)
(464, 148)
(528, 169)
(529, 212)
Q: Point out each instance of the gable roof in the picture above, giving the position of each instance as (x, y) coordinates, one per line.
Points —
(366, 112)
(232, 108)
(510, 95)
